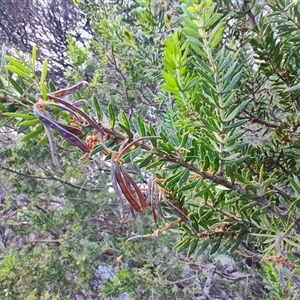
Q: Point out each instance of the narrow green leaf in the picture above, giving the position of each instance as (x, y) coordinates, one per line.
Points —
(236, 147)
(169, 66)
(2, 107)
(236, 244)
(157, 163)
(97, 107)
(168, 147)
(126, 130)
(232, 115)
(216, 35)
(191, 83)
(189, 22)
(17, 115)
(17, 71)
(169, 79)
(295, 184)
(205, 217)
(225, 63)
(183, 244)
(3, 60)
(129, 157)
(215, 146)
(195, 44)
(44, 140)
(44, 90)
(203, 247)
(124, 120)
(207, 146)
(231, 157)
(170, 44)
(170, 181)
(21, 129)
(210, 125)
(52, 87)
(184, 178)
(292, 89)
(235, 136)
(16, 85)
(233, 82)
(169, 88)
(145, 161)
(194, 222)
(33, 134)
(2, 86)
(229, 72)
(183, 139)
(192, 32)
(16, 63)
(216, 246)
(29, 123)
(170, 60)
(236, 124)
(205, 163)
(111, 115)
(140, 126)
(202, 65)
(249, 205)
(217, 138)
(267, 183)
(292, 243)
(296, 272)
(248, 197)
(188, 186)
(100, 147)
(33, 57)
(151, 132)
(192, 246)
(44, 71)
(213, 19)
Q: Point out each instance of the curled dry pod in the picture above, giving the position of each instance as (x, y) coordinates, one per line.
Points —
(94, 124)
(71, 129)
(157, 201)
(121, 182)
(71, 90)
(176, 210)
(135, 187)
(154, 200)
(52, 144)
(117, 190)
(150, 197)
(68, 136)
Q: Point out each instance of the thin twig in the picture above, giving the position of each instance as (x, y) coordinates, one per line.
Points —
(180, 281)
(45, 241)
(52, 178)
(155, 234)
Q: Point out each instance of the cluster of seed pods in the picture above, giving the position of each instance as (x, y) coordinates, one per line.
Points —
(123, 184)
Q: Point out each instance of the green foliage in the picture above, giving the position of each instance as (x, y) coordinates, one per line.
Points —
(220, 161)
(143, 276)
(125, 68)
(272, 280)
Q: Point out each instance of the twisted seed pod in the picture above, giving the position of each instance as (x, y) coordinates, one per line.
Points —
(117, 190)
(71, 90)
(124, 189)
(52, 144)
(176, 210)
(68, 136)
